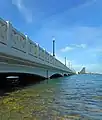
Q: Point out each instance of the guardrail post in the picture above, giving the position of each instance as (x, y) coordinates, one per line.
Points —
(54, 61)
(9, 34)
(38, 54)
(44, 55)
(27, 44)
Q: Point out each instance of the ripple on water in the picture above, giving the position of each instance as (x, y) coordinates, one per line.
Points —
(70, 98)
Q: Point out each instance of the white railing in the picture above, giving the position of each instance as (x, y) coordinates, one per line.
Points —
(16, 40)
(3, 32)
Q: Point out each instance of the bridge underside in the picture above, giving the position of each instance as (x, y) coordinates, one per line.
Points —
(14, 69)
(10, 64)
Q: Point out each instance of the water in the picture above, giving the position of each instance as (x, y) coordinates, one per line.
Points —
(77, 97)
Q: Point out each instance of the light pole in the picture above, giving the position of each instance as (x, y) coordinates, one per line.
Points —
(53, 46)
(65, 61)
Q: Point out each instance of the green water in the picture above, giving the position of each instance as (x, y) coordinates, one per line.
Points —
(77, 97)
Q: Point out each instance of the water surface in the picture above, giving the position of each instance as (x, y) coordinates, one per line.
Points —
(77, 97)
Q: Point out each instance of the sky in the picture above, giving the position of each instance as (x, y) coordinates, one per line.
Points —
(75, 24)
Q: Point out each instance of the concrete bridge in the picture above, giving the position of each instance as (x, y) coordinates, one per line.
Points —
(19, 54)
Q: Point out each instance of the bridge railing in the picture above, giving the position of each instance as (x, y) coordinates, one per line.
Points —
(18, 40)
(31, 48)
(3, 32)
(14, 39)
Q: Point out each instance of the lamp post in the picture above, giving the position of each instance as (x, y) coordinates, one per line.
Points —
(53, 46)
(65, 61)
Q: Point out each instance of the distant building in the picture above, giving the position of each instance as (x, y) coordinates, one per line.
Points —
(82, 71)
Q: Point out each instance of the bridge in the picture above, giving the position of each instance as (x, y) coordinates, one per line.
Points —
(19, 54)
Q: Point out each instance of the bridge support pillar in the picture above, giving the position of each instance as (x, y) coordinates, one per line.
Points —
(47, 74)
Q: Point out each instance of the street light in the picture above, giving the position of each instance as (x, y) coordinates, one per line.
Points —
(65, 61)
(53, 46)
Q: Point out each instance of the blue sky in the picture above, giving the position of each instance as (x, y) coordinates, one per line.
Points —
(76, 25)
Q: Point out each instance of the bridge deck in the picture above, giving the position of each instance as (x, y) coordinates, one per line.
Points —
(17, 49)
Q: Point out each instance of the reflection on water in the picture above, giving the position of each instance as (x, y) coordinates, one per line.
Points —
(77, 97)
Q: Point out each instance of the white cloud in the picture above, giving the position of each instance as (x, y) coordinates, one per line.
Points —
(66, 49)
(72, 47)
(80, 45)
(23, 9)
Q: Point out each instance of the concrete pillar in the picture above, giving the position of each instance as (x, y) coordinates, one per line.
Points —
(9, 34)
